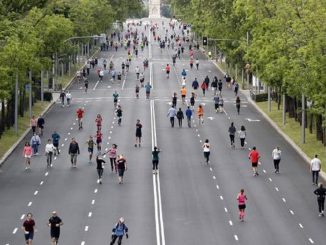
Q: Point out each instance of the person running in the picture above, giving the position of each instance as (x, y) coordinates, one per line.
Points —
(188, 115)
(33, 124)
(242, 136)
(68, 97)
(27, 154)
(203, 87)
(28, 227)
(183, 94)
(221, 104)
(320, 192)
(98, 122)
(276, 154)
(141, 79)
(35, 142)
(155, 159)
(237, 104)
(241, 198)
(122, 167)
(49, 150)
(216, 102)
(236, 88)
(40, 125)
(232, 130)
(184, 73)
(73, 152)
(137, 70)
(115, 98)
(195, 84)
(191, 63)
(200, 114)
(192, 100)
(55, 140)
(62, 98)
(148, 90)
(119, 114)
(99, 136)
(174, 99)
(197, 63)
(180, 117)
(99, 167)
(220, 86)
(137, 91)
(315, 169)
(172, 114)
(118, 231)
(139, 127)
(254, 158)
(80, 114)
(90, 147)
(113, 156)
(86, 85)
(206, 150)
(54, 223)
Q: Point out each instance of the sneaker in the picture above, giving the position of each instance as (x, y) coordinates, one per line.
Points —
(138, 145)
(98, 181)
(135, 145)
(320, 214)
(154, 172)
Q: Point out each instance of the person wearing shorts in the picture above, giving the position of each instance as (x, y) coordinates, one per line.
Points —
(80, 114)
(155, 159)
(122, 167)
(254, 158)
(206, 150)
(90, 148)
(138, 133)
(242, 198)
(54, 223)
(28, 228)
(99, 140)
(27, 153)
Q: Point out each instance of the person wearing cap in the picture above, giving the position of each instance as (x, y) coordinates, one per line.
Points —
(118, 231)
(54, 223)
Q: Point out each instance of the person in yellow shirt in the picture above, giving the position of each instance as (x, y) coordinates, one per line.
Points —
(183, 94)
(200, 114)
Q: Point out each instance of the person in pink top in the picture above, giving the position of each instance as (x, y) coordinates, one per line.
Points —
(113, 156)
(242, 198)
(33, 123)
(27, 153)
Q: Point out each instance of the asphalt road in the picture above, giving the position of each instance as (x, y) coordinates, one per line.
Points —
(188, 202)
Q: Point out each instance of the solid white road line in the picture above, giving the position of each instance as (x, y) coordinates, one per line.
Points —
(96, 84)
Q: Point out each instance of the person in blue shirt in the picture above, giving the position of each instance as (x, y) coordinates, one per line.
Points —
(55, 141)
(189, 115)
(118, 231)
(184, 73)
(148, 90)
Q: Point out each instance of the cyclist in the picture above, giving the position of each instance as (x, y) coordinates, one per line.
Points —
(115, 98)
(119, 114)
(80, 114)
(242, 198)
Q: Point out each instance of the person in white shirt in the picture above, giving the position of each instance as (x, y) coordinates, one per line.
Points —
(68, 97)
(242, 135)
(49, 149)
(137, 72)
(276, 154)
(172, 113)
(206, 150)
(315, 169)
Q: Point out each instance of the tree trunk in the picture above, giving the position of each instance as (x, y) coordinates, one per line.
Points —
(319, 127)
(311, 121)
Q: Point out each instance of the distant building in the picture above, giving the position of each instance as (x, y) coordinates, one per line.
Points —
(154, 7)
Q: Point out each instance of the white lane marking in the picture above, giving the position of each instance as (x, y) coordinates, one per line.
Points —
(90, 214)
(230, 222)
(107, 143)
(71, 128)
(210, 169)
(86, 228)
(74, 124)
(158, 241)
(95, 191)
(55, 158)
(35, 193)
(198, 135)
(111, 126)
(225, 209)
(270, 179)
(217, 187)
(110, 132)
(276, 189)
(263, 169)
(41, 183)
(62, 145)
(93, 202)
(301, 226)
(22, 217)
(283, 199)
(160, 207)
(236, 238)
(196, 130)
(96, 84)
(200, 141)
(291, 212)
(221, 197)
(123, 84)
(66, 139)
(82, 243)
(15, 230)
(214, 177)
(311, 241)
(69, 133)
(29, 204)
(109, 137)
(104, 156)
(46, 174)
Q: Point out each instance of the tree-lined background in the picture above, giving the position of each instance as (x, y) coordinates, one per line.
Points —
(33, 32)
(286, 48)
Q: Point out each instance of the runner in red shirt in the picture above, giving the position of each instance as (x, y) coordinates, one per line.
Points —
(167, 70)
(99, 136)
(80, 114)
(98, 121)
(254, 158)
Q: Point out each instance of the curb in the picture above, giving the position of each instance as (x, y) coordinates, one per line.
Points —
(13, 147)
(303, 155)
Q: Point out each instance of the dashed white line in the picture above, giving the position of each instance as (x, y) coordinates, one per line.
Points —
(109, 137)
(263, 169)
(29, 204)
(283, 199)
(236, 238)
(15, 230)
(221, 197)
(69, 133)
(111, 126)
(301, 226)
(66, 139)
(225, 209)
(210, 169)
(86, 228)
(230, 222)
(95, 191)
(46, 174)
(55, 158)
(74, 124)
(22, 217)
(62, 145)
(198, 135)
(291, 212)
(35, 193)
(82, 243)
(200, 141)
(214, 177)
(71, 128)
(270, 179)
(110, 132)
(93, 202)
(276, 189)
(41, 183)
(217, 187)
(311, 241)
(90, 214)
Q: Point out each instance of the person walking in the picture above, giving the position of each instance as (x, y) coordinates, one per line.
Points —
(254, 158)
(200, 114)
(197, 63)
(155, 159)
(241, 198)
(98, 121)
(148, 90)
(242, 136)
(113, 157)
(195, 84)
(122, 167)
(276, 154)
(174, 99)
(40, 125)
(80, 114)
(183, 94)
(221, 104)
(203, 87)
(99, 136)
(320, 192)
(90, 148)
(192, 100)
(54, 223)
(29, 227)
(216, 102)
(35, 143)
(55, 140)
(172, 114)
(33, 124)
(232, 130)
(220, 86)
(237, 104)
(99, 167)
(118, 231)
(315, 169)
(68, 97)
(180, 117)
(188, 115)
(49, 149)
(27, 154)
(139, 127)
(206, 150)
(73, 152)
(62, 98)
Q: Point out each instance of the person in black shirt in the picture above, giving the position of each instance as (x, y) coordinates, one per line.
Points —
(180, 117)
(40, 125)
(232, 131)
(73, 152)
(138, 133)
(54, 223)
(320, 192)
(99, 168)
(122, 167)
